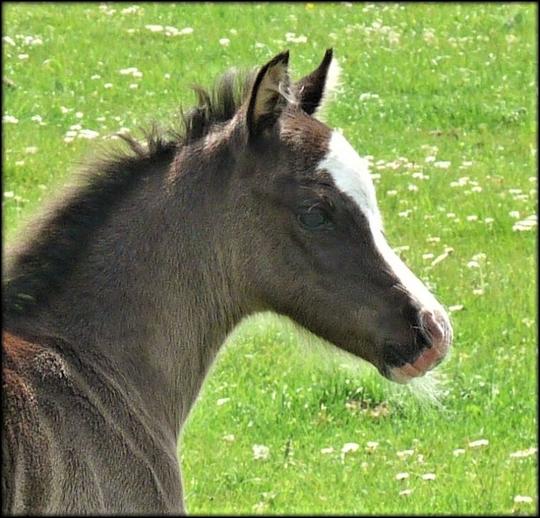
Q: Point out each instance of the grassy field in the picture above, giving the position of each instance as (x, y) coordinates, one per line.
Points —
(443, 97)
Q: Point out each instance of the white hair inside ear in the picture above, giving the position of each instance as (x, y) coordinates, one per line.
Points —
(331, 88)
(285, 91)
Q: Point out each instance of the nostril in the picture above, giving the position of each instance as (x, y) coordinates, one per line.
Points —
(432, 327)
(423, 338)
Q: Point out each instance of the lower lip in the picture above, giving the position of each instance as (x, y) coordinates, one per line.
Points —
(425, 362)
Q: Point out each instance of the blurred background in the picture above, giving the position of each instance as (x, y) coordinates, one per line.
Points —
(442, 99)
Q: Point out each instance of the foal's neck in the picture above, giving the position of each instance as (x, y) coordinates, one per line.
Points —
(154, 298)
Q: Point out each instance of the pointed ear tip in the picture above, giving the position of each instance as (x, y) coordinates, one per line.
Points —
(280, 59)
(328, 56)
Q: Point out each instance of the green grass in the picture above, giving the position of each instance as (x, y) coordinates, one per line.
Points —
(458, 77)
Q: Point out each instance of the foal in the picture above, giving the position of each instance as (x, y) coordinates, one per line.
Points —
(119, 297)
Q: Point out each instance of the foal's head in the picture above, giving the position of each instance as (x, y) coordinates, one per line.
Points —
(313, 244)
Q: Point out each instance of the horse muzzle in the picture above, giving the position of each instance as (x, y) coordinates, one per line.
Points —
(436, 327)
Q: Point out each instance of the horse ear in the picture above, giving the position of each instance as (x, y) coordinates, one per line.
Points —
(269, 94)
(314, 89)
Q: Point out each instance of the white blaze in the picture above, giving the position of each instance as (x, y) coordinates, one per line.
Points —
(350, 173)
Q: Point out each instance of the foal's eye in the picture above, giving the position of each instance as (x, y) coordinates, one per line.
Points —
(314, 219)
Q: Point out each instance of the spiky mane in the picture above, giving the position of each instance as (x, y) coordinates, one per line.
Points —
(50, 248)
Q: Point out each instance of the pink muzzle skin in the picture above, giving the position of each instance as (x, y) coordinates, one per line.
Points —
(438, 329)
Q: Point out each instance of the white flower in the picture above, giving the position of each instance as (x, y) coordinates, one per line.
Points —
(229, 437)
(520, 499)
(88, 134)
(526, 224)
(402, 476)
(171, 31)
(131, 9)
(128, 71)
(185, 30)
(9, 119)
(456, 307)
(154, 28)
(105, 9)
(224, 42)
(23, 57)
(366, 96)
(35, 41)
(8, 40)
(260, 452)
(107, 85)
(478, 443)
(292, 38)
(441, 164)
(405, 492)
(523, 453)
(31, 150)
(393, 37)
(458, 451)
(350, 447)
(528, 322)
(405, 453)
(429, 36)
(222, 401)
(429, 476)
(327, 450)
(371, 445)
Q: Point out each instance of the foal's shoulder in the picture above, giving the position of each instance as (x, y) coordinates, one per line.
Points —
(25, 442)
(30, 369)
(31, 360)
